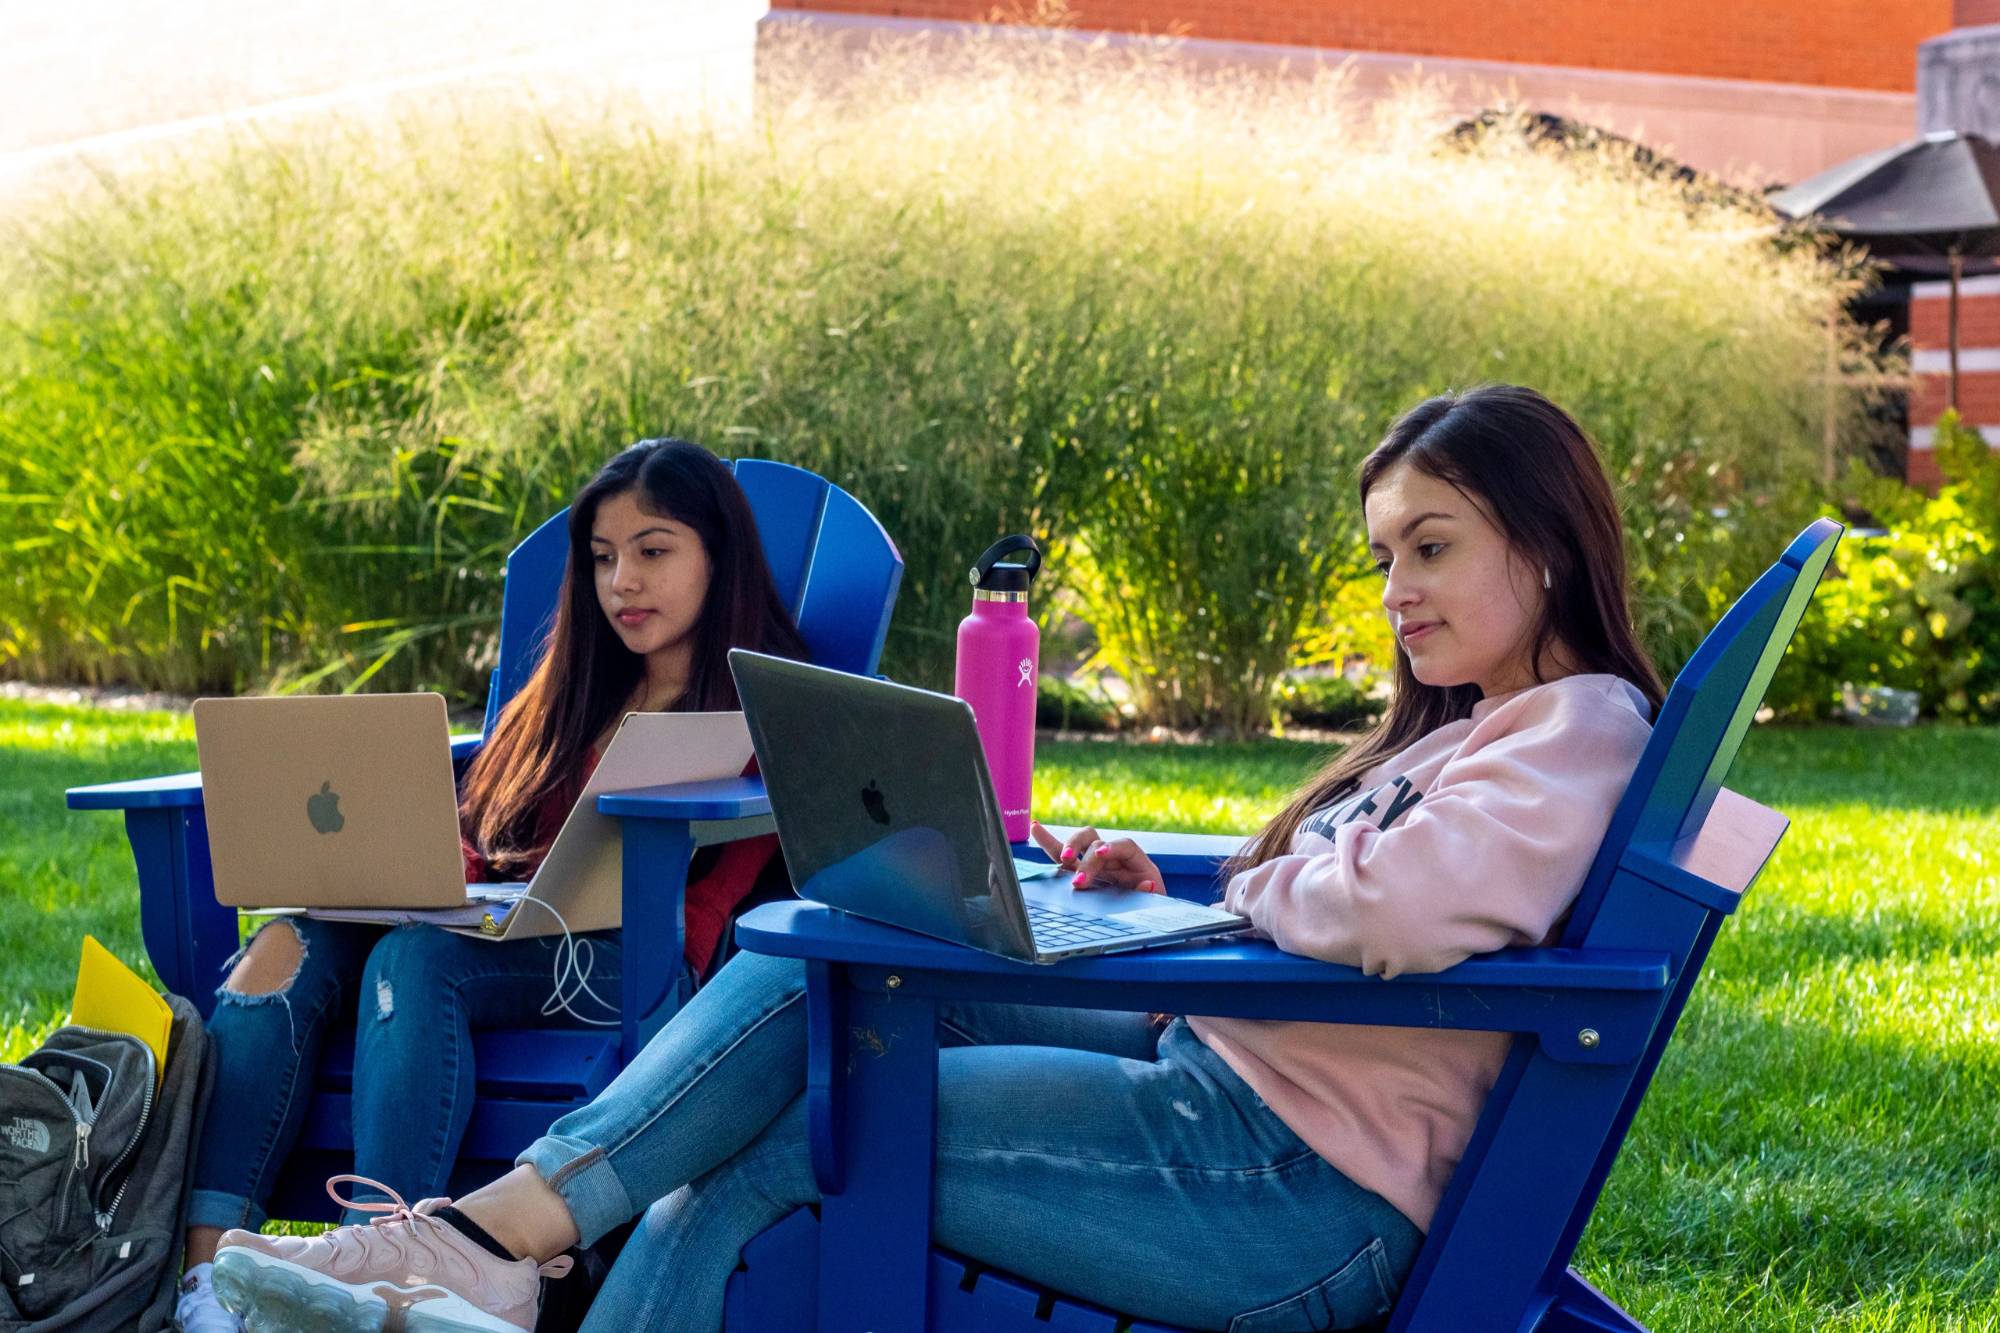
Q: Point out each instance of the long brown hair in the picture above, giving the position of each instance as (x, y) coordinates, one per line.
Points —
(587, 675)
(1532, 468)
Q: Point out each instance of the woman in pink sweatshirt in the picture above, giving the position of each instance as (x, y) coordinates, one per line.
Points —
(1093, 1152)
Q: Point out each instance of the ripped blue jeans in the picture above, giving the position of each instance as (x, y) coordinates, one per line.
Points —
(1083, 1150)
(413, 994)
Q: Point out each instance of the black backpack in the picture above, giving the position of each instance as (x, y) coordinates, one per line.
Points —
(94, 1156)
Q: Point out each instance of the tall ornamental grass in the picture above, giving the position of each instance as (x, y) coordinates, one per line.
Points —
(274, 412)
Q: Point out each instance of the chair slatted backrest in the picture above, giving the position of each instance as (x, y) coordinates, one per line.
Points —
(1695, 739)
(836, 571)
(1707, 713)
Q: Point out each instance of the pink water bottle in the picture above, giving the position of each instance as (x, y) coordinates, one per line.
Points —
(999, 651)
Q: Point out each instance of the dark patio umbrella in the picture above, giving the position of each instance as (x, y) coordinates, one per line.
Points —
(1933, 199)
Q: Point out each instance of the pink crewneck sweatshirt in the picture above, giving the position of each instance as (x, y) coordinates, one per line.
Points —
(1475, 838)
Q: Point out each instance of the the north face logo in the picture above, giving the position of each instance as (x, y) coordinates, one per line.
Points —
(31, 1135)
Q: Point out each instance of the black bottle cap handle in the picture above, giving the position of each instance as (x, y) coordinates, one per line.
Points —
(1019, 541)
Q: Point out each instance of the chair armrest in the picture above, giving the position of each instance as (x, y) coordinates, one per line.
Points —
(189, 936)
(1591, 1006)
(719, 798)
(176, 790)
(1714, 866)
(1584, 1006)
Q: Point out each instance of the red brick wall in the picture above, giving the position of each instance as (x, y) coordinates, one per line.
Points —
(1826, 43)
(1978, 397)
(1978, 322)
(1978, 333)
(1979, 365)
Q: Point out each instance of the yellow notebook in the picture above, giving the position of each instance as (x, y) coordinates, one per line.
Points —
(111, 997)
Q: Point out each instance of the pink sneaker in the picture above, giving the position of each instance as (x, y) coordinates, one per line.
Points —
(404, 1270)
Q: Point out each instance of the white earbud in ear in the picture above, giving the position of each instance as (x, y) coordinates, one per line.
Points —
(1547, 582)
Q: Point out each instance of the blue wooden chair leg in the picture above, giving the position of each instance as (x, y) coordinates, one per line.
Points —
(875, 1251)
(189, 936)
(656, 982)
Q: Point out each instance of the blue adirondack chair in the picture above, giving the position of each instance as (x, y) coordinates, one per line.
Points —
(1593, 1016)
(838, 572)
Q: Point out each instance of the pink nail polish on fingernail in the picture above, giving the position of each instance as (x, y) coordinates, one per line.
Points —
(1080, 880)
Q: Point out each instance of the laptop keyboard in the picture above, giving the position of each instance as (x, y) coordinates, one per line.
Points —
(1057, 930)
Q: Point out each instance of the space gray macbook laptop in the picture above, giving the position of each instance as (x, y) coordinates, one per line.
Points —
(885, 809)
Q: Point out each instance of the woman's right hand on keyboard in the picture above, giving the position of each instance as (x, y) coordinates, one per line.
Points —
(1101, 864)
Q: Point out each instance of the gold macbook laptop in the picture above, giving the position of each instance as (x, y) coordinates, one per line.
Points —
(331, 801)
(346, 806)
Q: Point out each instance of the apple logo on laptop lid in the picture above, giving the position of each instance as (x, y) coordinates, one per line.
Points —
(873, 802)
(323, 809)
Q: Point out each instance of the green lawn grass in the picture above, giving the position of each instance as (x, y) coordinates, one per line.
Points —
(1819, 1151)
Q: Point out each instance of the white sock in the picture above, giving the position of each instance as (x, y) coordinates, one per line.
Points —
(198, 1310)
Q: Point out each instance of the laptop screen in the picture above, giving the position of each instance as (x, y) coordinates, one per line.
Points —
(883, 802)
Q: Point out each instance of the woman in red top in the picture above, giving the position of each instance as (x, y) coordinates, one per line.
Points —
(666, 573)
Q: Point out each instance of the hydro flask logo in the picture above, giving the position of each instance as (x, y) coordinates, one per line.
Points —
(1027, 673)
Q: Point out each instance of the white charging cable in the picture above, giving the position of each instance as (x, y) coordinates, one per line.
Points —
(571, 973)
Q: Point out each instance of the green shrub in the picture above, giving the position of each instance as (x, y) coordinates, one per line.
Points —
(1333, 702)
(274, 416)
(1917, 608)
(1066, 703)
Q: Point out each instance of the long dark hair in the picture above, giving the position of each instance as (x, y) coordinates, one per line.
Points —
(1532, 468)
(587, 675)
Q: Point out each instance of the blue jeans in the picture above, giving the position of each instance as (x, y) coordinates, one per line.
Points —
(1082, 1150)
(414, 994)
